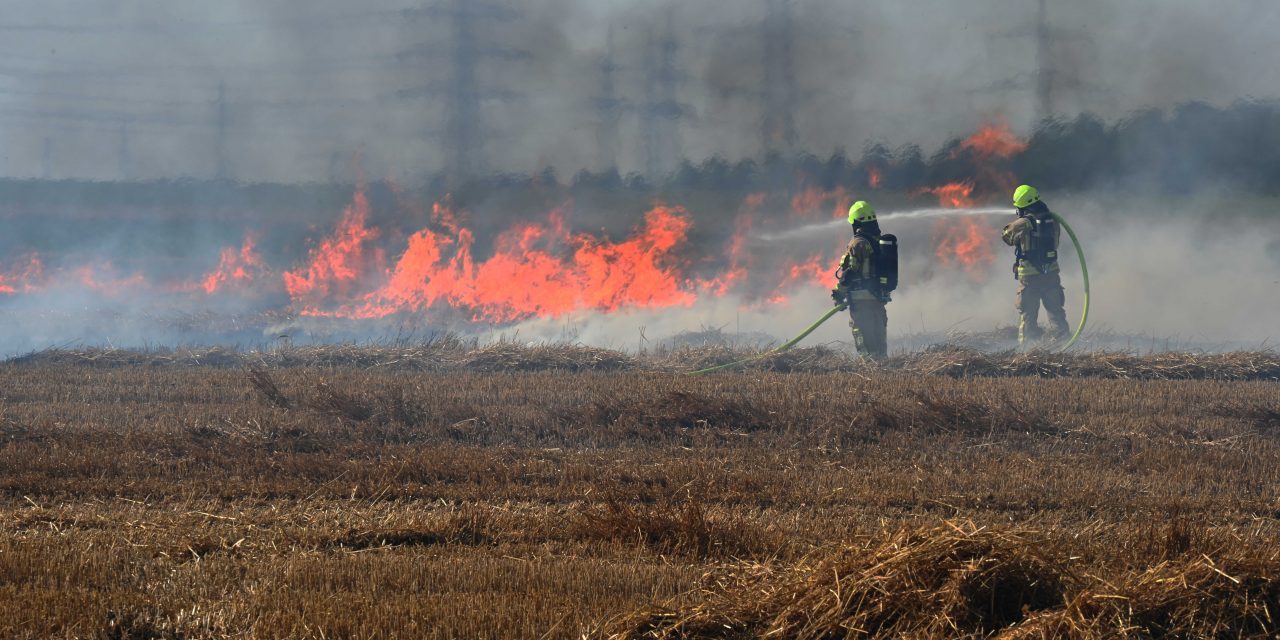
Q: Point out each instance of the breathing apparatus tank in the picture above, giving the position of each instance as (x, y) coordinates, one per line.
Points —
(1041, 247)
(886, 263)
(1044, 243)
(883, 277)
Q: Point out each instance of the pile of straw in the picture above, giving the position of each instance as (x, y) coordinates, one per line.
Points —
(958, 580)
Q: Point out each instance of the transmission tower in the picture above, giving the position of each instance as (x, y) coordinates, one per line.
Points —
(778, 129)
(777, 95)
(335, 167)
(47, 159)
(1046, 66)
(609, 109)
(661, 115)
(464, 132)
(223, 172)
(1049, 81)
(124, 158)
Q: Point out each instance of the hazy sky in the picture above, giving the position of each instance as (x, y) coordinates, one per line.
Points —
(308, 81)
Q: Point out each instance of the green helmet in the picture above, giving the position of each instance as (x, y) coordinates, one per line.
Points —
(1024, 196)
(861, 212)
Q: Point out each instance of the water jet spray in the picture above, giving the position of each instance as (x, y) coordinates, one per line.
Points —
(825, 227)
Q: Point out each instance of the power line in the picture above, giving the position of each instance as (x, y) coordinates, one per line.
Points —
(113, 75)
(778, 129)
(660, 116)
(96, 119)
(243, 104)
(347, 20)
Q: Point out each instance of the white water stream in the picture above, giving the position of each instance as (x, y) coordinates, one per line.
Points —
(826, 227)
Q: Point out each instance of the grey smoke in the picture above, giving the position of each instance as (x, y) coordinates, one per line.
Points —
(308, 79)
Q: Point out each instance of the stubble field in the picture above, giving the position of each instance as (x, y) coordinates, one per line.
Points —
(561, 493)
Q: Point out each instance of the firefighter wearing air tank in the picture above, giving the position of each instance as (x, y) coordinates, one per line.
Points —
(868, 273)
(1034, 237)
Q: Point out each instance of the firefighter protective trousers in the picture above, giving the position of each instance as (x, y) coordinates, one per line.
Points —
(1033, 291)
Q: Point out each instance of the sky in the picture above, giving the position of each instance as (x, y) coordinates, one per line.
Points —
(112, 89)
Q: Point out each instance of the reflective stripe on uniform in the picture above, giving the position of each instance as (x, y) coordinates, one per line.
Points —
(858, 342)
(1027, 269)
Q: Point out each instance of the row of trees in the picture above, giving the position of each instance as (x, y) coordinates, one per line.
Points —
(1193, 146)
(1185, 149)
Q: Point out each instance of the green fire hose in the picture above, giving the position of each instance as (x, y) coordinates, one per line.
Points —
(791, 343)
(1084, 270)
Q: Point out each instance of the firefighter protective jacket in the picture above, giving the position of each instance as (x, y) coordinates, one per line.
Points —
(858, 267)
(1021, 234)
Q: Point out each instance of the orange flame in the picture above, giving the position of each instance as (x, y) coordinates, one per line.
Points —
(740, 260)
(811, 271)
(23, 279)
(963, 242)
(994, 140)
(536, 270)
(540, 269)
(957, 195)
(874, 176)
(812, 200)
(105, 280)
(101, 278)
(235, 267)
(341, 261)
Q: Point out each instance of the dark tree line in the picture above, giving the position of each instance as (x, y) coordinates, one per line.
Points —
(1181, 150)
(1177, 151)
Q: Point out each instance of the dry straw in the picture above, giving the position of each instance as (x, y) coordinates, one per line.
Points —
(960, 580)
(455, 354)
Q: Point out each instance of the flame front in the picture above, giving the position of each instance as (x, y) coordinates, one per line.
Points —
(341, 261)
(101, 278)
(957, 195)
(811, 201)
(813, 271)
(739, 259)
(105, 279)
(536, 270)
(961, 241)
(24, 279)
(543, 268)
(994, 141)
(235, 267)
(964, 243)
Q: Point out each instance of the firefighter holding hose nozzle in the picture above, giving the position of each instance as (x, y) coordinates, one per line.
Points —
(1034, 237)
(868, 273)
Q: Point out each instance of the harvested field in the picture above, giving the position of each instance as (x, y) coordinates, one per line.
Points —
(453, 354)
(514, 492)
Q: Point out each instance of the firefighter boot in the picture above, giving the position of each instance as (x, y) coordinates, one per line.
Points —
(858, 342)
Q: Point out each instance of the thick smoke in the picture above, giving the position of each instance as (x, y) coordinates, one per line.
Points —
(305, 80)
